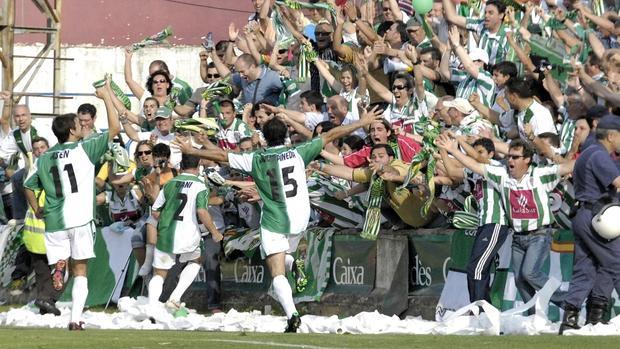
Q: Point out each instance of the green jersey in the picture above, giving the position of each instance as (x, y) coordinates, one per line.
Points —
(280, 177)
(526, 201)
(66, 172)
(178, 227)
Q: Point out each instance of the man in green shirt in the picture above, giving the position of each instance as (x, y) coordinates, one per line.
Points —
(279, 174)
(66, 173)
(179, 205)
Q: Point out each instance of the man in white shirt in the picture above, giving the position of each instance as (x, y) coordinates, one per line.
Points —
(14, 151)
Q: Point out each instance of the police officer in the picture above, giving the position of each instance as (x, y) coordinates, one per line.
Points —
(596, 261)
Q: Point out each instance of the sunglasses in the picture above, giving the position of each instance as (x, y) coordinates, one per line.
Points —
(211, 76)
(146, 152)
(386, 9)
(399, 87)
(282, 51)
(322, 33)
(160, 81)
(515, 157)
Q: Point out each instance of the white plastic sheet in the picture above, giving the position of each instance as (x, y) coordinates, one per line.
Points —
(469, 320)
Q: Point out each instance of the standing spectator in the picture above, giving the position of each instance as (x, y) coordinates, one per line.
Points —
(597, 260)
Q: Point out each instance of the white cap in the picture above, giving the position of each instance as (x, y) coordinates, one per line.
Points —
(461, 104)
(478, 54)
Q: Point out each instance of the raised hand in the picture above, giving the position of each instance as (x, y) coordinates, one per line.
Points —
(233, 32)
(183, 143)
(375, 114)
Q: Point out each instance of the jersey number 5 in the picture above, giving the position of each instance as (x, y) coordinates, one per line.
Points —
(273, 180)
(56, 176)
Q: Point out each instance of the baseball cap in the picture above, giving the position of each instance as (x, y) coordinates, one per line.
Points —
(478, 54)
(413, 22)
(163, 113)
(609, 122)
(460, 104)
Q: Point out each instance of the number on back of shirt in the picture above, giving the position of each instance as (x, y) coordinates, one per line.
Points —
(286, 181)
(57, 180)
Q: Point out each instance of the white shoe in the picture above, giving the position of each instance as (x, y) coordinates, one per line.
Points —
(174, 305)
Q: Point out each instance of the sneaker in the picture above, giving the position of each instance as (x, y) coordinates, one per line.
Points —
(58, 275)
(17, 286)
(293, 324)
(76, 326)
(174, 305)
(300, 275)
(46, 307)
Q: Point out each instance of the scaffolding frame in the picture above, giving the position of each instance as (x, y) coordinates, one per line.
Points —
(8, 30)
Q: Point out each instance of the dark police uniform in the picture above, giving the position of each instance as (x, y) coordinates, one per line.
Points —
(597, 260)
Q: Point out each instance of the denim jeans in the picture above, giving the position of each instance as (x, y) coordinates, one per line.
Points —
(529, 253)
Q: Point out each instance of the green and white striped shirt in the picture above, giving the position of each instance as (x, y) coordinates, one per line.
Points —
(567, 133)
(490, 208)
(526, 200)
(539, 117)
(496, 45)
(467, 84)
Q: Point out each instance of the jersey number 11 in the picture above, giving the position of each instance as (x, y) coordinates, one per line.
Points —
(57, 184)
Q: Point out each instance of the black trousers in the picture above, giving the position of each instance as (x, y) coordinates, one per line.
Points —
(212, 272)
(43, 278)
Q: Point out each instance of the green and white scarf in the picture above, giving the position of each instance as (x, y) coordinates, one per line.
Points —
(372, 221)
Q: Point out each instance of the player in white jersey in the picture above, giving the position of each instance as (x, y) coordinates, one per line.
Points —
(279, 175)
(66, 172)
(179, 205)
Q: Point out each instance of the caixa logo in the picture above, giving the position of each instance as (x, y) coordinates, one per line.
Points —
(249, 274)
(347, 274)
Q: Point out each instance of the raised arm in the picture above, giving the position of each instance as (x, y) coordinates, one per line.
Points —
(600, 22)
(185, 145)
(105, 93)
(373, 84)
(337, 45)
(485, 111)
(5, 119)
(323, 69)
(135, 87)
(367, 118)
(455, 42)
(453, 170)
(451, 146)
(339, 171)
(298, 127)
(444, 66)
(398, 14)
(451, 15)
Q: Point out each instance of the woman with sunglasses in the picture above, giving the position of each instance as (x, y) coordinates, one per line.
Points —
(405, 106)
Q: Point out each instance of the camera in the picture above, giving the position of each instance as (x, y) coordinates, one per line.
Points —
(543, 66)
(162, 163)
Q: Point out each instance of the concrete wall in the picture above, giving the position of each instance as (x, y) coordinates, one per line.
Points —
(90, 64)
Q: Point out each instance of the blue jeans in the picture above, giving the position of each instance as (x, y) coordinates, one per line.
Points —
(529, 253)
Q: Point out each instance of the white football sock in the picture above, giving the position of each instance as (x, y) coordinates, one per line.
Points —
(79, 292)
(155, 288)
(187, 276)
(288, 262)
(285, 295)
(146, 268)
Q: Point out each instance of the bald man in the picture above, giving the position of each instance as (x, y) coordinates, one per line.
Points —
(339, 114)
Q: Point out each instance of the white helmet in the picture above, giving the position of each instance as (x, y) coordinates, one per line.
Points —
(607, 221)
